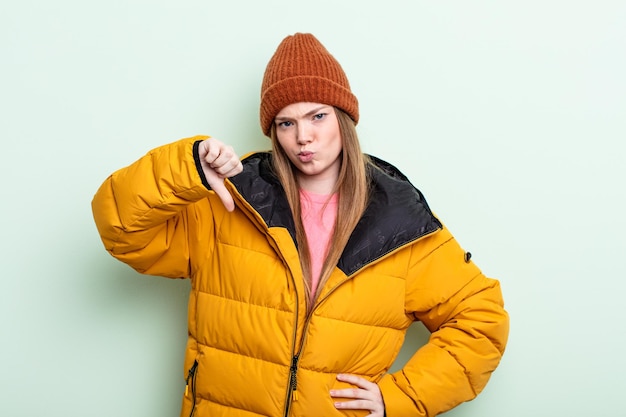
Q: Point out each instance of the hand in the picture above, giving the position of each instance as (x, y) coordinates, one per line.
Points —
(219, 161)
(366, 397)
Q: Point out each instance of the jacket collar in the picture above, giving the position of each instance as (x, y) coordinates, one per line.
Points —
(396, 215)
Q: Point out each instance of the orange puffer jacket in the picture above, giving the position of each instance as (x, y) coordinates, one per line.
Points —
(252, 348)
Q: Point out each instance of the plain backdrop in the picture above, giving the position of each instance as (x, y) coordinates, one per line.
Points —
(509, 116)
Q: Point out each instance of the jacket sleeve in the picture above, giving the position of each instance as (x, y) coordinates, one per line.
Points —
(464, 312)
(142, 212)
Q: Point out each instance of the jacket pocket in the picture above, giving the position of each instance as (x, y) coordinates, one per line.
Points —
(190, 387)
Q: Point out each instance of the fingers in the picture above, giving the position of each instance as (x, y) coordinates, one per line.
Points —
(366, 397)
(218, 186)
(219, 161)
(357, 380)
(221, 158)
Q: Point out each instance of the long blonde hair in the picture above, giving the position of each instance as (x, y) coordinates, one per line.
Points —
(352, 188)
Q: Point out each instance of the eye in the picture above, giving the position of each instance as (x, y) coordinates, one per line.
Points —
(320, 116)
(285, 124)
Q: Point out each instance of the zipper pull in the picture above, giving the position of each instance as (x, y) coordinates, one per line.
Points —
(294, 379)
(190, 375)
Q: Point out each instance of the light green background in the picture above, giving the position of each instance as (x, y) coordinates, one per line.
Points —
(510, 116)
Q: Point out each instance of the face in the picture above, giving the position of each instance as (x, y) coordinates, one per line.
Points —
(309, 134)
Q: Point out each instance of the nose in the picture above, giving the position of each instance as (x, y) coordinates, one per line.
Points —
(304, 134)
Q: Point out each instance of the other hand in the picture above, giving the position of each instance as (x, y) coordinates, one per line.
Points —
(366, 397)
(219, 161)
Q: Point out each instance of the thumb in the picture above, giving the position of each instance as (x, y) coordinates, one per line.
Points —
(217, 185)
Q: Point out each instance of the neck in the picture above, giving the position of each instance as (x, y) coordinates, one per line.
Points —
(317, 186)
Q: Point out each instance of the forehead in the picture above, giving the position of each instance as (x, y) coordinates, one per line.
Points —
(301, 109)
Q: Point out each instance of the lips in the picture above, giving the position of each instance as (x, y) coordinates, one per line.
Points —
(305, 156)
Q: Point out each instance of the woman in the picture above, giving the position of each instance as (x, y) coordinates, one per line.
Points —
(307, 263)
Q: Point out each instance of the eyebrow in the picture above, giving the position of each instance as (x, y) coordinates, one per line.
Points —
(307, 114)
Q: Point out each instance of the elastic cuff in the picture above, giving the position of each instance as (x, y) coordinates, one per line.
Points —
(196, 158)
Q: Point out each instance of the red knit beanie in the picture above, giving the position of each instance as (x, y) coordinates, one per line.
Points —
(303, 70)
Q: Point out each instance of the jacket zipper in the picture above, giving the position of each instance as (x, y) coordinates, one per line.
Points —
(292, 387)
(191, 380)
(292, 391)
(293, 380)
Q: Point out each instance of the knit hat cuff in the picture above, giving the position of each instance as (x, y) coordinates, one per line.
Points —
(306, 88)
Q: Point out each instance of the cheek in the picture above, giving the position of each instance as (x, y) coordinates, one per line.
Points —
(335, 142)
(334, 135)
(282, 139)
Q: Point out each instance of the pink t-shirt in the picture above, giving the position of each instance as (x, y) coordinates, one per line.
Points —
(319, 212)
